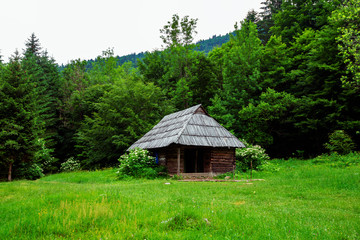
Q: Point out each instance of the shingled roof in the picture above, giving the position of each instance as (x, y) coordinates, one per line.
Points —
(191, 127)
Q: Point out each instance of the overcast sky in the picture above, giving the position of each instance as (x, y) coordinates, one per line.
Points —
(72, 29)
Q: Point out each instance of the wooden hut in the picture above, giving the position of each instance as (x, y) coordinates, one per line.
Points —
(190, 141)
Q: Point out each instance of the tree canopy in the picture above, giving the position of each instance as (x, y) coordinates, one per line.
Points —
(286, 78)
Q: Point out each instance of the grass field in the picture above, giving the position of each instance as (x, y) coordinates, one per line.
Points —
(299, 201)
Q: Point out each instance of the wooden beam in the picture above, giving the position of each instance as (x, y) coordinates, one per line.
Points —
(178, 161)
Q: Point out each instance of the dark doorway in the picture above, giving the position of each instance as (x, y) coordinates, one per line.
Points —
(194, 161)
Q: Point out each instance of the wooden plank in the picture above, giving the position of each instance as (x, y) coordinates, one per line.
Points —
(222, 160)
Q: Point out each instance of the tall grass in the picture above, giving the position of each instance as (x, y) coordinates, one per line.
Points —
(302, 200)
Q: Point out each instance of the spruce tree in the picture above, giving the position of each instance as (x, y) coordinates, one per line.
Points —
(42, 71)
(33, 46)
(18, 120)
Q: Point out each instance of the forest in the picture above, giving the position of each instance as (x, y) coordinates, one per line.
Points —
(287, 78)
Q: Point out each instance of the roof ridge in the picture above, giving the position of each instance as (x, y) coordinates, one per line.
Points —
(181, 111)
(186, 123)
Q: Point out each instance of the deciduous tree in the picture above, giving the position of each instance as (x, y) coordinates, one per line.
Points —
(347, 20)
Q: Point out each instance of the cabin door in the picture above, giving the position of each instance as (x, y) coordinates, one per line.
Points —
(194, 161)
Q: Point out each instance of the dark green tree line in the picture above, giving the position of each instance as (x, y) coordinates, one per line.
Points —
(19, 121)
(286, 79)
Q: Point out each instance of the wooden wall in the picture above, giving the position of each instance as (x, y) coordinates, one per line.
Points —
(170, 155)
(222, 160)
(216, 160)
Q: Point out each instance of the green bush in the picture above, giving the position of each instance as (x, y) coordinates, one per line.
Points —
(139, 164)
(268, 166)
(70, 165)
(29, 171)
(44, 156)
(177, 177)
(250, 155)
(340, 142)
(338, 161)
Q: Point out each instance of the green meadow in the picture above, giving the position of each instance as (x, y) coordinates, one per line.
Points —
(300, 200)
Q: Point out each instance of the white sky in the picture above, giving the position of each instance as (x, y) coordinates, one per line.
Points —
(72, 29)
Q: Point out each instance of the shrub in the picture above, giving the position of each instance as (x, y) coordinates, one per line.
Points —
(250, 155)
(44, 156)
(338, 161)
(177, 177)
(30, 171)
(139, 164)
(268, 166)
(70, 165)
(340, 142)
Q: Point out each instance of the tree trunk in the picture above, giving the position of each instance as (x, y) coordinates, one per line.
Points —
(10, 172)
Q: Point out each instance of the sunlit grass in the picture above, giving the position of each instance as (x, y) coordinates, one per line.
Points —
(300, 201)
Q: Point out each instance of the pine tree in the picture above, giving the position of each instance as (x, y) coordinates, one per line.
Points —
(33, 46)
(18, 120)
(265, 19)
(43, 73)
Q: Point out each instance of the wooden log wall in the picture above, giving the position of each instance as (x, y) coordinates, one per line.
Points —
(170, 154)
(222, 160)
(216, 160)
(207, 160)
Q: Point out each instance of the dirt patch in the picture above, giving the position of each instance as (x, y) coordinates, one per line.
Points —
(217, 180)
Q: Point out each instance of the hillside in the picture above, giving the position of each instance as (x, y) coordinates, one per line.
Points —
(203, 45)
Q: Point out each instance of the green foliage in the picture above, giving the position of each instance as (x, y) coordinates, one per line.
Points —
(42, 72)
(271, 119)
(210, 44)
(44, 157)
(18, 118)
(242, 67)
(138, 164)
(218, 111)
(185, 76)
(30, 171)
(337, 160)
(177, 177)
(346, 19)
(278, 82)
(70, 165)
(179, 31)
(340, 142)
(273, 64)
(241, 72)
(250, 157)
(269, 166)
(269, 9)
(310, 69)
(297, 15)
(126, 111)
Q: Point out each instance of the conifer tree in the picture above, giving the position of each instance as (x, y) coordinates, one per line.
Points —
(33, 45)
(43, 73)
(269, 9)
(18, 120)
